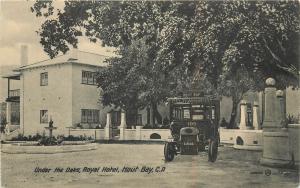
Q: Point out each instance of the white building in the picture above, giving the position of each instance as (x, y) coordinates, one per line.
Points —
(62, 89)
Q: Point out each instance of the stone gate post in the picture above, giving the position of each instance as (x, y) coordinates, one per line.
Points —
(275, 137)
(281, 111)
(270, 104)
(123, 125)
(256, 122)
(243, 121)
(108, 127)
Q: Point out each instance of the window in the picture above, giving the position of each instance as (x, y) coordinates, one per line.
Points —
(89, 116)
(198, 112)
(44, 79)
(15, 113)
(89, 78)
(186, 113)
(44, 116)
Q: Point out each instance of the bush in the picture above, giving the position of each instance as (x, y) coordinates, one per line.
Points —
(36, 137)
(224, 123)
(18, 138)
(78, 126)
(166, 121)
(292, 120)
(77, 138)
(45, 140)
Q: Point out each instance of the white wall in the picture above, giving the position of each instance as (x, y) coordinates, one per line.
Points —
(85, 96)
(56, 97)
(293, 102)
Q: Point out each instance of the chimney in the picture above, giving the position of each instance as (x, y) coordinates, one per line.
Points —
(24, 55)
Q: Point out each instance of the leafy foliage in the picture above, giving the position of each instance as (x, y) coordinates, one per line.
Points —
(165, 47)
(45, 140)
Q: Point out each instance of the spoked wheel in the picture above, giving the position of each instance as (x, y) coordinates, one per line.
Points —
(212, 150)
(168, 152)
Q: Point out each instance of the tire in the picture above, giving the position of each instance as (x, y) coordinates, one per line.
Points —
(168, 152)
(212, 151)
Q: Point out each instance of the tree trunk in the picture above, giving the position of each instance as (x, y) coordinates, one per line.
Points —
(233, 115)
(155, 114)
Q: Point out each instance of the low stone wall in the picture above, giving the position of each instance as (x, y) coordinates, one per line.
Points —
(22, 143)
(146, 134)
(248, 139)
(227, 136)
(150, 134)
(242, 139)
(294, 141)
(130, 134)
(15, 149)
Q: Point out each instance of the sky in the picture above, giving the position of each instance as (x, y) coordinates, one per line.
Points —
(18, 25)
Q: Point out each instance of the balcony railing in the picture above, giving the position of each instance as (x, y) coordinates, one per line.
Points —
(14, 93)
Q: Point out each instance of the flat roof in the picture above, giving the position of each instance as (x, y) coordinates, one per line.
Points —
(14, 76)
(73, 56)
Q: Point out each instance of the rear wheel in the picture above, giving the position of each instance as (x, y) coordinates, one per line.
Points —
(212, 150)
(168, 152)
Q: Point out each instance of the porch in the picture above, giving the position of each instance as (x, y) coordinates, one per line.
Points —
(11, 107)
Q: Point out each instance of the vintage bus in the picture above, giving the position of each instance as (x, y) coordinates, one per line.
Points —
(194, 126)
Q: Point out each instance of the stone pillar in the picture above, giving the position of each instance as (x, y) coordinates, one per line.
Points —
(123, 125)
(276, 151)
(261, 105)
(270, 104)
(255, 121)
(8, 117)
(243, 121)
(108, 127)
(281, 109)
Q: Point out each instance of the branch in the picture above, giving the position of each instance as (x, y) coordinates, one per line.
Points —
(291, 69)
(271, 52)
(281, 47)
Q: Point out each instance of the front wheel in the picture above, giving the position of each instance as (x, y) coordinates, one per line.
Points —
(168, 152)
(212, 151)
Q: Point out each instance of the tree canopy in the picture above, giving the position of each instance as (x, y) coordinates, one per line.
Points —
(234, 45)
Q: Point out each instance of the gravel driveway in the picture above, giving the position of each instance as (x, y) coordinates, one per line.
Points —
(141, 165)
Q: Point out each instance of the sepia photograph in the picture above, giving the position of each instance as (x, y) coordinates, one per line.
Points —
(148, 93)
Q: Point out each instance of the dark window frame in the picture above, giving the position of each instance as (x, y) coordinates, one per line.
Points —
(42, 112)
(44, 79)
(88, 78)
(90, 116)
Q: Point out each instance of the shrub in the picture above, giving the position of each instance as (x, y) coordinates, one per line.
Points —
(292, 119)
(166, 121)
(18, 138)
(36, 137)
(78, 126)
(46, 141)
